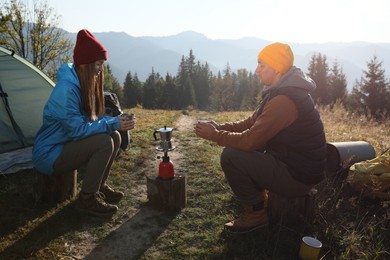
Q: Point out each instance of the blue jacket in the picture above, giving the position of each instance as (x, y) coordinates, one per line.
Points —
(64, 121)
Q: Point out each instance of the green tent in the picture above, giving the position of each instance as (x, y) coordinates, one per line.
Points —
(24, 90)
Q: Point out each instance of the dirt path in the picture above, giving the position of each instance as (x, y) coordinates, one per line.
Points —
(185, 123)
(134, 235)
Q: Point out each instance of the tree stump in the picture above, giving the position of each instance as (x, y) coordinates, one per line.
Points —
(54, 188)
(167, 194)
(292, 210)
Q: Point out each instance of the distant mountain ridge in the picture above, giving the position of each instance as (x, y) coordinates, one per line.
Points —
(141, 55)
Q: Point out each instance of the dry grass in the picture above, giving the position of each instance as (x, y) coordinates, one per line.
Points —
(350, 226)
(341, 126)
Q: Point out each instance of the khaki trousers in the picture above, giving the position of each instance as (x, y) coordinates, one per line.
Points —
(250, 172)
(96, 153)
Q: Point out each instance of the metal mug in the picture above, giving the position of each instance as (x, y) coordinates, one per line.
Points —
(130, 116)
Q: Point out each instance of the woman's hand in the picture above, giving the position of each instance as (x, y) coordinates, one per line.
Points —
(126, 123)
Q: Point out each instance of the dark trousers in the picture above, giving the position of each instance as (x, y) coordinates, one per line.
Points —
(250, 172)
(96, 152)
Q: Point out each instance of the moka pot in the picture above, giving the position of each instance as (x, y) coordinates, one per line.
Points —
(165, 138)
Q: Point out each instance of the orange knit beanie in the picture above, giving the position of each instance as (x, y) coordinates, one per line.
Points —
(278, 56)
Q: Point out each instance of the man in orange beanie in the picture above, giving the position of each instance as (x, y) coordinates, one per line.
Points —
(281, 147)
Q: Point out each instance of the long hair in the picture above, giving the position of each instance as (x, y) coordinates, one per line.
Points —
(92, 96)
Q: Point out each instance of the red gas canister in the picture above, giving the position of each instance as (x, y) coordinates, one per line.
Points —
(166, 170)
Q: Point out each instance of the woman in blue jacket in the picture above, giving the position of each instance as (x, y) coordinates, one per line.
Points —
(75, 131)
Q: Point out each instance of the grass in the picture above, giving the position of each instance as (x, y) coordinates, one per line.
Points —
(349, 225)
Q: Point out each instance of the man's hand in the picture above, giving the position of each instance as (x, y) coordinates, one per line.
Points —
(205, 129)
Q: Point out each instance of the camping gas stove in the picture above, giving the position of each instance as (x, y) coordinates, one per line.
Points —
(166, 170)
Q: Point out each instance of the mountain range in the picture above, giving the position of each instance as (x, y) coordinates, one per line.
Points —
(141, 55)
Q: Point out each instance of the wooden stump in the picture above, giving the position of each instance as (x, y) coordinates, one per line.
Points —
(292, 210)
(54, 188)
(167, 194)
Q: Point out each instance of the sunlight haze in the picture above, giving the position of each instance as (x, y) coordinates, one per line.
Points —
(300, 21)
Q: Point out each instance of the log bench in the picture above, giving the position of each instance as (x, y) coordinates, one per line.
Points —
(55, 188)
(292, 210)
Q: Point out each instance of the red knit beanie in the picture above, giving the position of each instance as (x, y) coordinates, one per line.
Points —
(88, 49)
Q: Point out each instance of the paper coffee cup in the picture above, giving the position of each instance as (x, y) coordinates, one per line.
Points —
(310, 248)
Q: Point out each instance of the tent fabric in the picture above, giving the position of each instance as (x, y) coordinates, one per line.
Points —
(16, 160)
(24, 90)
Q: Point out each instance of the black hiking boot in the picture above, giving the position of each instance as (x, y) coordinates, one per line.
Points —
(110, 195)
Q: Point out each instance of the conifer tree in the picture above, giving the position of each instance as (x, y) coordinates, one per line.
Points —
(184, 83)
(169, 94)
(337, 84)
(151, 91)
(112, 84)
(139, 89)
(318, 71)
(355, 101)
(128, 90)
(216, 98)
(223, 91)
(132, 90)
(252, 95)
(373, 90)
(201, 82)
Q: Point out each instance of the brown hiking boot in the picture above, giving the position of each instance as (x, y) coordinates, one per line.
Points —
(94, 204)
(248, 221)
(110, 195)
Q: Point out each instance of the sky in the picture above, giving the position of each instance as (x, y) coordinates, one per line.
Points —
(298, 21)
